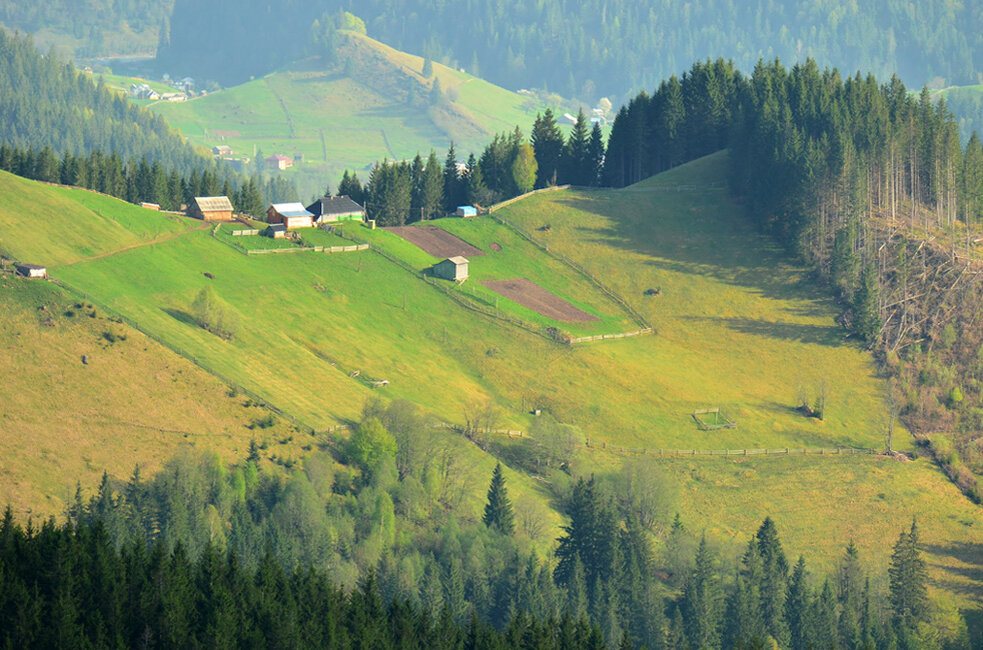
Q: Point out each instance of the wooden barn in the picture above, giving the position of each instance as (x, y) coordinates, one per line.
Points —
(291, 215)
(32, 271)
(211, 208)
(466, 211)
(335, 208)
(453, 268)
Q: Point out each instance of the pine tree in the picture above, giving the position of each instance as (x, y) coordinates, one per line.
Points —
(498, 509)
(575, 160)
(547, 143)
(702, 603)
(797, 607)
(908, 580)
(452, 181)
(595, 156)
(866, 306)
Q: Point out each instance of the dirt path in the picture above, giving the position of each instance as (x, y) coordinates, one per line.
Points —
(174, 235)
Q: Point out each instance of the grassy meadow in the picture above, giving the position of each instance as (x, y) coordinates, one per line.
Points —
(738, 326)
(516, 259)
(61, 225)
(340, 122)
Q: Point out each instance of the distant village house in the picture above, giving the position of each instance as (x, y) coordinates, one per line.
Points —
(32, 271)
(211, 208)
(453, 268)
(279, 162)
(291, 215)
(466, 211)
(222, 150)
(335, 208)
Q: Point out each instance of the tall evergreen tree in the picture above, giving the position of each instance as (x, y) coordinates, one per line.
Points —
(498, 509)
(547, 143)
(908, 581)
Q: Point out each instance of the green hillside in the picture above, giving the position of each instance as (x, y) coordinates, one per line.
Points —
(738, 327)
(58, 225)
(380, 108)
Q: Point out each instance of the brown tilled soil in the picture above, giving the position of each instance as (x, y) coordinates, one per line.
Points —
(436, 241)
(531, 295)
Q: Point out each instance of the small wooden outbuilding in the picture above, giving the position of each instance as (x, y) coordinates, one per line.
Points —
(292, 215)
(335, 208)
(276, 231)
(453, 268)
(466, 211)
(211, 208)
(32, 271)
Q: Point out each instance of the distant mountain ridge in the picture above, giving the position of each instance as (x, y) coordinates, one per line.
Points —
(593, 47)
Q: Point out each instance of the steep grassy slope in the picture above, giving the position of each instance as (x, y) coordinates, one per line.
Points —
(737, 326)
(336, 121)
(132, 401)
(56, 225)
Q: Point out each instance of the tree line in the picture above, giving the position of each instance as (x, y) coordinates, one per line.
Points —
(143, 181)
(397, 513)
(404, 192)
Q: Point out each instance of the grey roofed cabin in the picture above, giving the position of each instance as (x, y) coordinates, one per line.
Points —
(32, 271)
(453, 268)
(335, 208)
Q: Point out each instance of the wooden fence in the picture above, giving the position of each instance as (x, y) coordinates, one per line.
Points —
(781, 451)
(605, 337)
(578, 268)
(245, 232)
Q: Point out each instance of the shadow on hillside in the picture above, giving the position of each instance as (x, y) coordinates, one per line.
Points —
(726, 248)
(967, 579)
(181, 315)
(817, 334)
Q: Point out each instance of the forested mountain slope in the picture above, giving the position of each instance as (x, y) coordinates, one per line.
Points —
(45, 101)
(596, 47)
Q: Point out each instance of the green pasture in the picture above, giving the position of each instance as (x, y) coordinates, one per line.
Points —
(516, 259)
(250, 242)
(55, 225)
(339, 123)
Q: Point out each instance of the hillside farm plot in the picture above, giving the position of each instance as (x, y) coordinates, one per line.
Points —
(531, 295)
(436, 241)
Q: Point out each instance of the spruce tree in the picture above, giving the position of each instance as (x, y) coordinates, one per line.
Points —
(866, 306)
(908, 579)
(702, 603)
(547, 143)
(498, 510)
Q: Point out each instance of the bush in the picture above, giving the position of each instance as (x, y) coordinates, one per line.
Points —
(213, 315)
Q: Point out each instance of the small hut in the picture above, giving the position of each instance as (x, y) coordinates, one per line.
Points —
(453, 268)
(32, 271)
(466, 211)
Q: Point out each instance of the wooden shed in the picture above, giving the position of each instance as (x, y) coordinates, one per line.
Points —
(211, 208)
(292, 215)
(453, 268)
(466, 211)
(276, 231)
(32, 271)
(335, 208)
